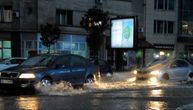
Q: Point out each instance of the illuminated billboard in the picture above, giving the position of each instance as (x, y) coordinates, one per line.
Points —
(122, 33)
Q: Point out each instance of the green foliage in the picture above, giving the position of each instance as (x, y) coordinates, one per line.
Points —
(95, 22)
(50, 34)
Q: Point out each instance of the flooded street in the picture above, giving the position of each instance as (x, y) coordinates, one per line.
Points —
(121, 92)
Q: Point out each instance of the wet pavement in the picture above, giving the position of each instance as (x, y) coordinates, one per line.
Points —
(121, 92)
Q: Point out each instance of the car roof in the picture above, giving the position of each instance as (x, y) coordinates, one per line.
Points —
(18, 58)
(60, 55)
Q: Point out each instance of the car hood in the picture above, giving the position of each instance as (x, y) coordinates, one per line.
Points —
(5, 66)
(155, 67)
(22, 69)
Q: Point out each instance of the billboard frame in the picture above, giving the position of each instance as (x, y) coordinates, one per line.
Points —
(135, 35)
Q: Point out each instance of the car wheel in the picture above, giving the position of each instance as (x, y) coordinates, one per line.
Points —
(191, 75)
(46, 82)
(90, 79)
(190, 78)
(165, 76)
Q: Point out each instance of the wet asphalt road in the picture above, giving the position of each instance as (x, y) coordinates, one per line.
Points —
(116, 95)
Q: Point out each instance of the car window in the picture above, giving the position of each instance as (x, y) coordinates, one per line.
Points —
(62, 61)
(174, 64)
(179, 63)
(77, 61)
(42, 60)
(46, 61)
(190, 60)
(182, 63)
(16, 61)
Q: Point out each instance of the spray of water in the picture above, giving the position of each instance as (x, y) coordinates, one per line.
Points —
(62, 88)
(118, 81)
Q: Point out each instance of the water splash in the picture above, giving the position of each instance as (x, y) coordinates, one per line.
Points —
(118, 81)
(62, 88)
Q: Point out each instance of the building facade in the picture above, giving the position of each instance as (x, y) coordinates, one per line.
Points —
(161, 28)
(20, 22)
(166, 24)
(185, 34)
(18, 26)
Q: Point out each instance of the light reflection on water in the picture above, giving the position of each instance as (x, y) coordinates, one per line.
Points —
(156, 105)
(121, 82)
(2, 106)
(156, 93)
(28, 103)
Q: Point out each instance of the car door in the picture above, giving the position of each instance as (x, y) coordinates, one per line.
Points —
(61, 68)
(78, 68)
(178, 69)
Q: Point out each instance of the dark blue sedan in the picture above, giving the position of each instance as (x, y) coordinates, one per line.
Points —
(47, 69)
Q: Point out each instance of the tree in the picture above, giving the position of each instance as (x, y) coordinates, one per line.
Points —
(50, 34)
(95, 22)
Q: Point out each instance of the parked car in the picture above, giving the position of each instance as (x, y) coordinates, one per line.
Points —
(169, 69)
(47, 69)
(11, 62)
(105, 67)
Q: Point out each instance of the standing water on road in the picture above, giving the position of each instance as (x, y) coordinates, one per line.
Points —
(117, 82)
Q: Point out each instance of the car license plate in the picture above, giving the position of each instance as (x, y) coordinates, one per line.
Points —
(6, 81)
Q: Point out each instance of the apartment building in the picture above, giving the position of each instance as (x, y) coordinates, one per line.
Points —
(20, 22)
(166, 24)
(18, 26)
(185, 33)
(161, 28)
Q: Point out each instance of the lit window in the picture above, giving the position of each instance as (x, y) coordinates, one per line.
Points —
(59, 45)
(75, 46)
(187, 28)
(6, 44)
(6, 53)
(82, 46)
(6, 14)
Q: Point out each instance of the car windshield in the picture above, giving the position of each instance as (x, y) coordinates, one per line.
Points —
(190, 60)
(159, 64)
(43, 60)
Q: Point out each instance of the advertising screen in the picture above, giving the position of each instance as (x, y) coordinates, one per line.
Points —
(122, 33)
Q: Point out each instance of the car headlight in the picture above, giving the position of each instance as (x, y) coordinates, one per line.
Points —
(135, 72)
(155, 72)
(27, 76)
